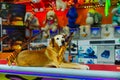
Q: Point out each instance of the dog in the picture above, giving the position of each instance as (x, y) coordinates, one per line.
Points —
(47, 57)
(51, 23)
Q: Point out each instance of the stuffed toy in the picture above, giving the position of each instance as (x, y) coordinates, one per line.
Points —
(60, 4)
(101, 2)
(37, 5)
(51, 23)
(66, 30)
(31, 21)
(94, 18)
(72, 16)
(116, 16)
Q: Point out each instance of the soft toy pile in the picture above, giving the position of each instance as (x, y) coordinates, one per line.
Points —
(116, 16)
(72, 16)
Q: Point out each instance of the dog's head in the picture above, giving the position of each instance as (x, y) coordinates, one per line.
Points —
(50, 15)
(58, 40)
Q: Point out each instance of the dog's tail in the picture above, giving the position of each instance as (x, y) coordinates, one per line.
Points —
(18, 49)
(63, 48)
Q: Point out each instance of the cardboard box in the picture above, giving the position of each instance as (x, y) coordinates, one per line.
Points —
(117, 31)
(107, 31)
(95, 32)
(84, 32)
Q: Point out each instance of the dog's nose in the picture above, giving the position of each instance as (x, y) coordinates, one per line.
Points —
(63, 42)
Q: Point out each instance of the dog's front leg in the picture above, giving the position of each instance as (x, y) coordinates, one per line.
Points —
(52, 57)
(74, 66)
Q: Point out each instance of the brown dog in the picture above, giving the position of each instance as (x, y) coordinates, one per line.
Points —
(47, 57)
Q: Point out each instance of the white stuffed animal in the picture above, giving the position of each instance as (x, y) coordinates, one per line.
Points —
(31, 21)
(51, 23)
(60, 4)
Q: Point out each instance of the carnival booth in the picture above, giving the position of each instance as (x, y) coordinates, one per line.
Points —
(59, 39)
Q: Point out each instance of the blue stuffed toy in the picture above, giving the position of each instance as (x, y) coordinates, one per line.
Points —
(72, 16)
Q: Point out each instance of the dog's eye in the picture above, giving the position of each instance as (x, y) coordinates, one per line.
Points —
(57, 38)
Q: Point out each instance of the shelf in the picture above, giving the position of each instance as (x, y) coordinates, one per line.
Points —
(13, 26)
(114, 41)
(60, 72)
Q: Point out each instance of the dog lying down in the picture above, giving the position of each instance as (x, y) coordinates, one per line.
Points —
(47, 57)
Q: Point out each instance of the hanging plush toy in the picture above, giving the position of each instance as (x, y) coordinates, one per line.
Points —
(72, 16)
(51, 23)
(94, 18)
(37, 5)
(101, 2)
(31, 21)
(60, 4)
(116, 16)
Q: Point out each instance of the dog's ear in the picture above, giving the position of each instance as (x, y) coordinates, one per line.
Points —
(64, 35)
(52, 42)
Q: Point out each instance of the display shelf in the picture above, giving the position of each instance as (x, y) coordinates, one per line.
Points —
(60, 72)
(112, 41)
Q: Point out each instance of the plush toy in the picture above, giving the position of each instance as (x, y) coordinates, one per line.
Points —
(116, 16)
(60, 4)
(37, 5)
(72, 16)
(101, 2)
(51, 23)
(31, 21)
(94, 18)
(66, 30)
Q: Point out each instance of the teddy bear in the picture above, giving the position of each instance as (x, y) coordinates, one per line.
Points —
(116, 16)
(38, 5)
(60, 4)
(51, 23)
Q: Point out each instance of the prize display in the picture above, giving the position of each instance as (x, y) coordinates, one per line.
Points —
(54, 39)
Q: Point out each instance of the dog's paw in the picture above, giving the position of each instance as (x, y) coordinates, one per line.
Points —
(85, 67)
